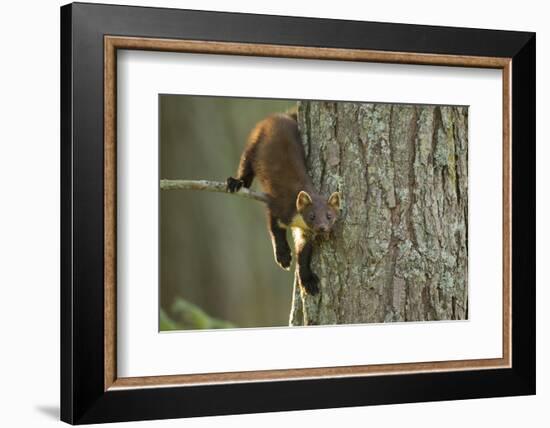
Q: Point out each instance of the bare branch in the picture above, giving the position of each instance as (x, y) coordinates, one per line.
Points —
(210, 186)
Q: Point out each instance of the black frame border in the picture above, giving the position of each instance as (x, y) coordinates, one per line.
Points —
(83, 399)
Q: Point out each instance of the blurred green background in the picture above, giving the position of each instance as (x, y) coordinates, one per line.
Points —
(216, 260)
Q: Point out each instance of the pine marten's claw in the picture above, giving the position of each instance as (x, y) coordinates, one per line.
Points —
(283, 259)
(310, 285)
(233, 184)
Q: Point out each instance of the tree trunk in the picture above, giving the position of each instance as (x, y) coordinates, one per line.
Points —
(399, 251)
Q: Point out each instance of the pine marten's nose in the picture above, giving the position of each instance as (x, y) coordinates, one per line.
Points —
(323, 229)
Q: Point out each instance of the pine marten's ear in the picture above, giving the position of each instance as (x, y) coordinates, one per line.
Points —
(302, 200)
(334, 201)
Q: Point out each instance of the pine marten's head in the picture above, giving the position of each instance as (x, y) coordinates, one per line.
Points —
(318, 214)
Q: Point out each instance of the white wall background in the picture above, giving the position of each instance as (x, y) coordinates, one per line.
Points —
(29, 214)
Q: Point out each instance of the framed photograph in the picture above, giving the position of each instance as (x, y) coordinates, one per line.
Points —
(265, 213)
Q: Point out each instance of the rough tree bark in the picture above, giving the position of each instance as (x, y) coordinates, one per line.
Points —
(400, 249)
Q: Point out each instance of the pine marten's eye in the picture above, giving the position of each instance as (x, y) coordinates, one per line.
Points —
(311, 216)
(329, 216)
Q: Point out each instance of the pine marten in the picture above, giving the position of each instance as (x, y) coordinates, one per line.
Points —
(274, 153)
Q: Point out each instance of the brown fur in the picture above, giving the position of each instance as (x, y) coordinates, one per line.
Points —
(278, 162)
(275, 155)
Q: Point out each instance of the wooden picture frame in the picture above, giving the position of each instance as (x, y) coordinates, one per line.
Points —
(90, 389)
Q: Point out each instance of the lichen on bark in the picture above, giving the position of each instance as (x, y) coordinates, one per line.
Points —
(399, 251)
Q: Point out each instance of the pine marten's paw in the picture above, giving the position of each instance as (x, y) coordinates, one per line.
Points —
(311, 284)
(233, 185)
(283, 258)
